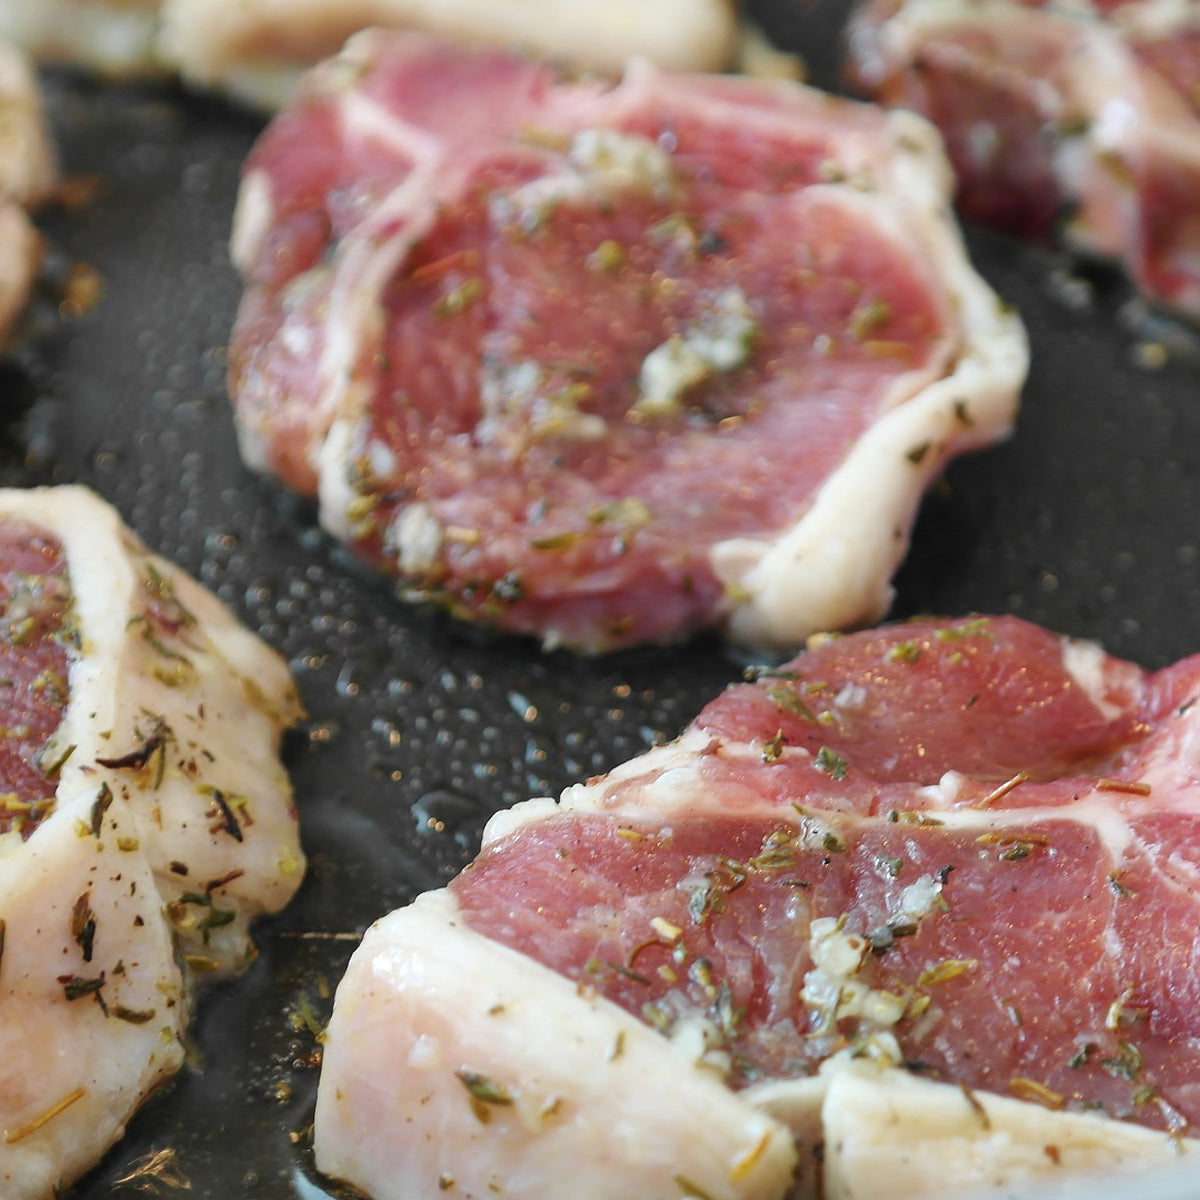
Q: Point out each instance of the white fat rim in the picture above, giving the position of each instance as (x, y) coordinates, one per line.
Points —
(603, 1101)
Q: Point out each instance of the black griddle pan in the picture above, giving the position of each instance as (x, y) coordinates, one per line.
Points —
(1088, 521)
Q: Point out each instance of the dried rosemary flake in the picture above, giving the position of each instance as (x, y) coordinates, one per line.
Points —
(976, 627)
(1081, 1056)
(785, 698)
(52, 758)
(99, 807)
(1120, 1015)
(75, 987)
(608, 257)
(690, 1189)
(83, 925)
(1121, 785)
(1114, 882)
(1017, 851)
(556, 541)
(832, 763)
(1039, 1093)
(869, 317)
(17, 1135)
(904, 652)
(225, 820)
(745, 1163)
(976, 1107)
(918, 1006)
(134, 1016)
(485, 1094)
(943, 972)
(998, 793)
(458, 298)
(1127, 1064)
(890, 866)
(772, 748)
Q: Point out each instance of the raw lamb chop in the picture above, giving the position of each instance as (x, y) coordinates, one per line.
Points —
(1083, 117)
(27, 172)
(145, 820)
(926, 887)
(255, 49)
(607, 363)
(115, 37)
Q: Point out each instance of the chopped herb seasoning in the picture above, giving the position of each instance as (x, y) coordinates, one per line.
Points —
(196, 911)
(868, 318)
(75, 987)
(485, 1093)
(1030, 1089)
(1118, 888)
(226, 822)
(458, 298)
(83, 925)
(773, 748)
(998, 793)
(556, 541)
(831, 763)
(134, 1016)
(943, 972)
(99, 807)
(1126, 1064)
(778, 852)
(976, 627)
(889, 866)
(150, 756)
(976, 1107)
(1081, 1056)
(709, 897)
(785, 698)
(608, 257)
(905, 652)
(52, 758)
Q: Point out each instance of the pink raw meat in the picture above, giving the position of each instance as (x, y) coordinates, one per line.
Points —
(583, 360)
(1054, 116)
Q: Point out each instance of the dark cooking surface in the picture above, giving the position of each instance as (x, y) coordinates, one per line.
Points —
(1087, 522)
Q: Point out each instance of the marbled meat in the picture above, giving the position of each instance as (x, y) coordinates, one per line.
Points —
(608, 363)
(1059, 116)
(963, 851)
